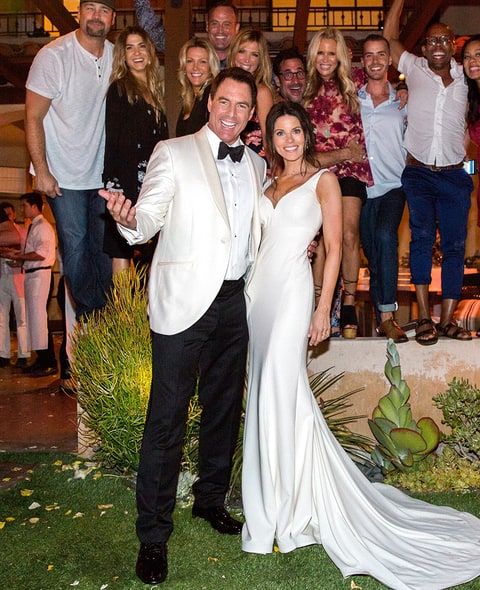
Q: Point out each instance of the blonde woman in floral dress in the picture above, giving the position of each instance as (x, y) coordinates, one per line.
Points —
(332, 103)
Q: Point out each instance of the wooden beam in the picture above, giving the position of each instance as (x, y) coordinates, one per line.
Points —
(9, 117)
(414, 28)
(301, 21)
(56, 12)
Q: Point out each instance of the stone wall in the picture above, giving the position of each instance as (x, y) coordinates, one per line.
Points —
(426, 369)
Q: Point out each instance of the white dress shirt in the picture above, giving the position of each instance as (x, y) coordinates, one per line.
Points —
(384, 126)
(436, 113)
(237, 187)
(40, 239)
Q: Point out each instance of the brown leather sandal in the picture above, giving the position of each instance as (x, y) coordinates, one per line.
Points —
(425, 332)
(452, 330)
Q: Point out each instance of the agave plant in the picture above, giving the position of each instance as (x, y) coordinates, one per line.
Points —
(402, 442)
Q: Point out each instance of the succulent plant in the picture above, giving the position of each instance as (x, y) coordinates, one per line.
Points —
(402, 442)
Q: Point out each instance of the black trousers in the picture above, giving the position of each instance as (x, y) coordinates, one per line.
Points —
(213, 349)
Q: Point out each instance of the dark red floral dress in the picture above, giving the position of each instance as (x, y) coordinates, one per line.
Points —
(335, 127)
(252, 136)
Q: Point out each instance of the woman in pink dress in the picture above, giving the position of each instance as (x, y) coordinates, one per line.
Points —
(332, 103)
(471, 67)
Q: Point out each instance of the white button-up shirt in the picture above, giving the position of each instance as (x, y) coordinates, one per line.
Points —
(384, 127)
(436, 113)
(40, 239)
(237, 186)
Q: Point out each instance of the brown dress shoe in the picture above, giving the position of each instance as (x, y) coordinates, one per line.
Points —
(391, 329)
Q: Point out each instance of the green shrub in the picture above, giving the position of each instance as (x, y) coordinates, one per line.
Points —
(444, 473)
(460, 405)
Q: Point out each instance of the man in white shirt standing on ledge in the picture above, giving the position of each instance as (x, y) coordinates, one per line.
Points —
(37, 259)
(436, 186)
(65, 117)
(384, 125)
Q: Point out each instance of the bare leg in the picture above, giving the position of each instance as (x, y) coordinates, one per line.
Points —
(422, 301)
(119, 264)
(352, 207)
(425, 332)
(449, 328)
(386, 315)
(448, 307)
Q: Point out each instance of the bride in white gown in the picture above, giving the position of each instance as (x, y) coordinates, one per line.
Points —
(299, 487)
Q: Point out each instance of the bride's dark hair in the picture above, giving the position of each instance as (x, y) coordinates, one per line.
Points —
(292, 109)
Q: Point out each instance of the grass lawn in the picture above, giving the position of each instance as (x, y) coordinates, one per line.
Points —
(84, 538)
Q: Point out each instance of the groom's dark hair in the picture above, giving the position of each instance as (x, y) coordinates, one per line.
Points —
(238, 75)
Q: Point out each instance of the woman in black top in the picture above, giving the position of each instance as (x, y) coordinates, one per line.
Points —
(198, 66)
(134, 122)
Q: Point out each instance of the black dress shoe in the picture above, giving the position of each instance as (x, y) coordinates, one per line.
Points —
(43, 371)
(22, 363)
(219, 518)
(152, 565)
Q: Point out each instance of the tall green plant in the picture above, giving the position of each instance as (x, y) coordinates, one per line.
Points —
(112, 365)
(402, 442)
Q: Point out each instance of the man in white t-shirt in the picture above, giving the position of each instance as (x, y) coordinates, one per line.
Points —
(437, 187)
(65, 114)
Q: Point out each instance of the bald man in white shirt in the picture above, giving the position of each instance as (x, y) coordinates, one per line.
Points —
(437, 188)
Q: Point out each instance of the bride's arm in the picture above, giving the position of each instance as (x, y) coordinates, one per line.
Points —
(330, 198)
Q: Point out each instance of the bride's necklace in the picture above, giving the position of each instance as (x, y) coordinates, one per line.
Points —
(276, 198)
(302, 172)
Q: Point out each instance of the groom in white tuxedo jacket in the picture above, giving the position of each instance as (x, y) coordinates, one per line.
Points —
(201, 192)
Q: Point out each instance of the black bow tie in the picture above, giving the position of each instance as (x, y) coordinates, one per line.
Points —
(235, 153)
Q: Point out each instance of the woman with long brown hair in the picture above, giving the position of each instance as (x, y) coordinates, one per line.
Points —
(471, 67)
(134, 122)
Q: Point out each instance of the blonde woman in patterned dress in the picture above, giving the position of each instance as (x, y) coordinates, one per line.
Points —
(332, 103)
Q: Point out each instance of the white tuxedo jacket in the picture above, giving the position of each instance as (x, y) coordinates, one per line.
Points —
(182, 196)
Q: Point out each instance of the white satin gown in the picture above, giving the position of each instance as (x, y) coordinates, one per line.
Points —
(299, 487)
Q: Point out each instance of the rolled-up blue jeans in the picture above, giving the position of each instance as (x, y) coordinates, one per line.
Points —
(80, 220)
(440, 199)
(379, 223)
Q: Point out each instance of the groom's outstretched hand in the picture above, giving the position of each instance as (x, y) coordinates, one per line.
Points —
(120, 208)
